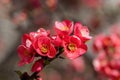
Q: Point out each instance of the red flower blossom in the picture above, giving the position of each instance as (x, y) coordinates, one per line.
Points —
(82, 32)
(43, 46)
(40, 32)
(73, 47)
(43, 32)
(25, 51)
(38, 65)
(26, 55)
(27, 41)
(64, 28)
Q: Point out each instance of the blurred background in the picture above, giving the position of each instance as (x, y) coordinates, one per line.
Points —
(22, 16)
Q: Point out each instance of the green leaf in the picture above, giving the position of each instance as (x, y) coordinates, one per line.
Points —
(47, 62)
(19, 73)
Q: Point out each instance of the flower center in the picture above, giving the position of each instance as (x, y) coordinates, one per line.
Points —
(107, 42)
(72, 47)
(64, 28)
(44, 49)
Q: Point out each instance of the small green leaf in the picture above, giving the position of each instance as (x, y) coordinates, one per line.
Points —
(19, 73)
(47, 62)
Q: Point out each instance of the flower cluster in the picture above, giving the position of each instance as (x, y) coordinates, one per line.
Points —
(108, 60)
(69, 39)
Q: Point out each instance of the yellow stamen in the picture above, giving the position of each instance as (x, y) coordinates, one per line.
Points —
(72, 47)
(65, 28)
(44, 49)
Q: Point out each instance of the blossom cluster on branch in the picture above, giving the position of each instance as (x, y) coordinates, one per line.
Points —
(108, 60)
(69, 39)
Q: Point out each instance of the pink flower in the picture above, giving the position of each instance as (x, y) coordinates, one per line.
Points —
(64, 28)
(38, 65)
(98, 45)
(40, 32)
(100, 62)
(27, 41)
(26, 55)
(25, 50)
(109, 44)
(73, 47)
(108, 59)
(43, 46)
(115, 61)
(82, 32)
(43, 32)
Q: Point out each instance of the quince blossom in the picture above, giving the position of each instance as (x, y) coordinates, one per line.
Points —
(82, 32)
(63, 28)
(74, 47)
(25, 54)
(25, 50)
(43, 46)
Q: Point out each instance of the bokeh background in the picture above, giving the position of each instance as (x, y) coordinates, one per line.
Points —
(22, 16)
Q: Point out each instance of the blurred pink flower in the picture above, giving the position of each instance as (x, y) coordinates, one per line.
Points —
(78, 64)
(108, 60)
(92, 3)
(98, 45)
(52, 4)
(20, 18)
